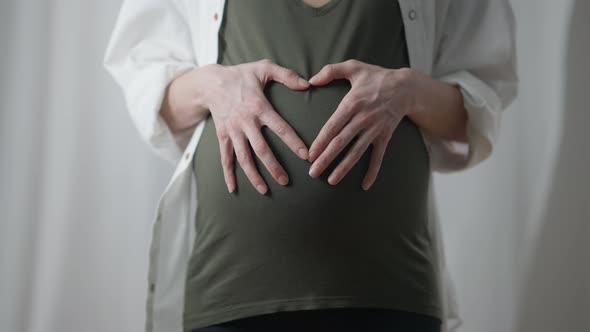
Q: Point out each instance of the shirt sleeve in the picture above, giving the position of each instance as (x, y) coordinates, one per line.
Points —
(149, 47)
(475, 51)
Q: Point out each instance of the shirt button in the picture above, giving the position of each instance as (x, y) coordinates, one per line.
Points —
(187, 155)
(412, 14)
(215, 16)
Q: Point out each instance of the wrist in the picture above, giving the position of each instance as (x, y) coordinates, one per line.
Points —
(438, 108)
(202, 80)
(415, 83)
(184, 103)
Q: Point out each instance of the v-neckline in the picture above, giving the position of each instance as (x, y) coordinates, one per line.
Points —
(316, 11)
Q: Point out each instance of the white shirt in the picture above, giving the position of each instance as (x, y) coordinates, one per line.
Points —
(464, 42)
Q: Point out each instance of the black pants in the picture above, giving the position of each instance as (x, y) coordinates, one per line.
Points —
(334, 319)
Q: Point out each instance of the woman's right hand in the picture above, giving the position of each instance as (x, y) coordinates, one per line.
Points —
(234, 95)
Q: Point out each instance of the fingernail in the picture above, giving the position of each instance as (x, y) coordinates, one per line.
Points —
(312, 80)
(302, 81)
(283, 180)
(302, 153)
(365, 187)
(229, 188)
(311, 156)
(312, 172)
(261, 189)
(332, 179)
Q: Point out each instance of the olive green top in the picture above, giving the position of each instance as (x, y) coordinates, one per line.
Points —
(309, 244)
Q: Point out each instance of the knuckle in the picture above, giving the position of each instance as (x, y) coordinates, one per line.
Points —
(251, 103)
(289, 73)
(327, 131)
(330, 130)
(362, 101)
(348, 108)
(377, 142)
(235, 122)
(265, 61)
(358, 149)
(351, 108)
(264, 66)
(241, 156)
(275, 169)
(231, 125)
(404, 73)
(259, 146)
(223, 136)
(352, 62)
(356, 152)
(353, 101)
(255, 113)
(281, 128)
(338, 141)
(259, 105)
(365, 119)
(382, 141)
(226, 163)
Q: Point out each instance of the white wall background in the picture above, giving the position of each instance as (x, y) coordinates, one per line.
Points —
(516, 227)
(78, 187)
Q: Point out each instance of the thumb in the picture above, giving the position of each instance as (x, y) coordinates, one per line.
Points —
(286, 76)
(334, 71)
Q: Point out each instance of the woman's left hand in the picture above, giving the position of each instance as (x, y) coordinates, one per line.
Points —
(376, 103)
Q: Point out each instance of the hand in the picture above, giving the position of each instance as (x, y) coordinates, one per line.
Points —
(239, 109)
(378, 100)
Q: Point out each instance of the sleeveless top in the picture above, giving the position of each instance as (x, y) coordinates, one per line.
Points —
(309, 244)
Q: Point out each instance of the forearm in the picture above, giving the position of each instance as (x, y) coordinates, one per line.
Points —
(439, 109)
(183, 107)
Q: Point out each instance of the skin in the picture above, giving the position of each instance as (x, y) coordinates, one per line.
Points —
(234, 97)
(316, 3)
(378, 100)
(372, 109)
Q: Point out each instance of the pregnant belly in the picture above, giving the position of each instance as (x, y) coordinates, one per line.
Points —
(398, 196)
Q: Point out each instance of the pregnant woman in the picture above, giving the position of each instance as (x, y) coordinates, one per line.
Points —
(313, 140)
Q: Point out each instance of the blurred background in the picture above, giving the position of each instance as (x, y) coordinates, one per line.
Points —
(78, 187)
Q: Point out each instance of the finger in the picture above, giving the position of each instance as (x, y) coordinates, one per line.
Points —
(245, 159)
(335, 146)
(285, 132)
(264, 153)
(226, 151)
(374, 165)
(334, 71)
(352, 157)
(286, 76)
(332, 127)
